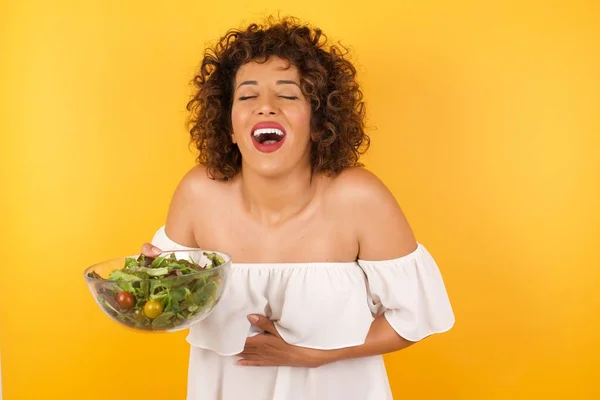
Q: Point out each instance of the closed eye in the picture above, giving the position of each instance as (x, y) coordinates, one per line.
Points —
(290, 97)
(242, 98)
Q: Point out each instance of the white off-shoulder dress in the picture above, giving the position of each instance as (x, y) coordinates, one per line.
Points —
(320, 305)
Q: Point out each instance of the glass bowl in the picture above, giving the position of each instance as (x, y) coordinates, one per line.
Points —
(167, 293)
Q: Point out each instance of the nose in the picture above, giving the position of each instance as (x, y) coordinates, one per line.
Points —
(267, 106)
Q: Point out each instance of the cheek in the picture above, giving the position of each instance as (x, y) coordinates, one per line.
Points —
(236, 116)
(302, 121)
(239, 118)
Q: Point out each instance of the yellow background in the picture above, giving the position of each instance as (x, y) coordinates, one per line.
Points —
(486, 127)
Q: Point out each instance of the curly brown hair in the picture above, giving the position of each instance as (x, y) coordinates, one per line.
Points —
(328, 80)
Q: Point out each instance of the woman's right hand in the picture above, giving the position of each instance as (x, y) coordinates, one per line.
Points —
(150, 251)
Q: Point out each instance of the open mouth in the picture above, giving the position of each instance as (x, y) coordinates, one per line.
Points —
(268, 136)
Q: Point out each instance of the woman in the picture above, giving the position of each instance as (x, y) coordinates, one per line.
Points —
(327, 275)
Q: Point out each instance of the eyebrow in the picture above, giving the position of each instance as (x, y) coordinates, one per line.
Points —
(284, 82)
(279, 82)
(247, 83)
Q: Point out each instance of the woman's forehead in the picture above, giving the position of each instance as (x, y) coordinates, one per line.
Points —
(274, 68)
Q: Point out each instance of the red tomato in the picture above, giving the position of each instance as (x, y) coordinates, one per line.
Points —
(125, 300)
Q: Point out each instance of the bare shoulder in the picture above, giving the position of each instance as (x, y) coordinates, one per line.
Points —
(382, 230)
(195, 192)
(196, 184)
(359, 182)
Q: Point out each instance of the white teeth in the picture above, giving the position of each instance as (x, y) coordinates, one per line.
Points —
(259, 132)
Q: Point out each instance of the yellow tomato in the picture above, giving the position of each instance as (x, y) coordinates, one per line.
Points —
(153, 309)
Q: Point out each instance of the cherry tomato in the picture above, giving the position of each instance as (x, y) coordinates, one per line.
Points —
(139, 315)
(125, 300)
(153, 309)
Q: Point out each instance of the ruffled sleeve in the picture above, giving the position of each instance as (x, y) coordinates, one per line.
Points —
(410, 292)
(163, 242)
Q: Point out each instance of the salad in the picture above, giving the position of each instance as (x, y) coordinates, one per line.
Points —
(159, 293)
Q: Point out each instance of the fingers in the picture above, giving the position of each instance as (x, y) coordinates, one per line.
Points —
(252, 358)
(249, 348)
(254, 363)
(263, 323)
(150, 251)
(248, 354)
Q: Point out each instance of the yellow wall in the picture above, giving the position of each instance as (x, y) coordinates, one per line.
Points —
(487, 122)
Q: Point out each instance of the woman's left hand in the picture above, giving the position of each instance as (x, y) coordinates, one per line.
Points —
(269, 349)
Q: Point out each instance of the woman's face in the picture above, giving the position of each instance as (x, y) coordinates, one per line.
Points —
(271, 118)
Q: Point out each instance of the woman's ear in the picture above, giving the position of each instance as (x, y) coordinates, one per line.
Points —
(233, 139)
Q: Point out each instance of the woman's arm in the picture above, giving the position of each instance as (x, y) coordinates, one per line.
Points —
(383, 233)
(269, 349)
(382, 339)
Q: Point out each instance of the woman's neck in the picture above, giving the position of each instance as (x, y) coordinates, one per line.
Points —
(274, 200)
